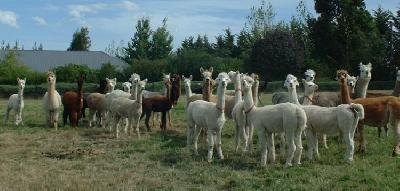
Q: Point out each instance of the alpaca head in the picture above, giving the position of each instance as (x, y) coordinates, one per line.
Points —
(206, 74)
(342, 75)
(309, 75)
(187, 81)
(176, 88)
(135, 78)
(142, 85)
(247, 83)
(21, 83)
(126, 86)
(80, 80)
(255, 77)
(51, 78)
(111, 84)
(235, 77)
(223, 80)
(309, 87)
(166, 77)
(291, 82)
(365, 70)
(351, 82)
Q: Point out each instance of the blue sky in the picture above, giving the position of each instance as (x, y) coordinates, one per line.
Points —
(53, 22)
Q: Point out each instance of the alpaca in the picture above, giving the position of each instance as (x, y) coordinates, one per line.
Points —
(161, 104)
(379, 112)
(96, 102)
(208, 115)
(206, 88)
(105, 86)
(342, 119)
(363, 81)
(188, 90)
(52, 101)
(285, 118)
(73, 104)
(127, 108)
(126, 86)
(135, 78)
(16, 103)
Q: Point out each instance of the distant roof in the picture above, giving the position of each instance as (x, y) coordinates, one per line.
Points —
(44, 60)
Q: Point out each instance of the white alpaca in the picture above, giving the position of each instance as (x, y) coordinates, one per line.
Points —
(126, 108)
(126, 86)
(52, 101)
(16, 103)
(208, 115)
(363, 81)
(342, 119)
(135, 78)
(188, 90)
(285, 118)
(309, 75)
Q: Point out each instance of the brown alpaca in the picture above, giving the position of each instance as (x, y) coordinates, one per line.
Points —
(378, 112)
(73, 104)
(160, 103)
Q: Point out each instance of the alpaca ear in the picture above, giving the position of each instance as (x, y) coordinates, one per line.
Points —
(201, 70)
(303, 80)
(18, 79)
(190, 77)
(211, 69)
(145, 80)
(115, 80)
(107, 79)
(369, 65)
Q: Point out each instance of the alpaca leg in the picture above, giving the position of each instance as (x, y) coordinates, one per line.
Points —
(311, 144)
(137, 127)
(196, 138)
(210, 139)
(324, 141)
(218, 144)
(148, 115)
(65, 117)
(379, 131)
(250, 138)
(189, 135)
(396, 128)
(117, 122)
(126, 125)
(291, 148)
(282, 147)
(163, 121)
(299, 147)
(7, 115)
(20, 121)
(74, 117)
(237, 136)
(361, 138)
(91, 117)
(271, 147)
(55, 119)
(245, 136)
(386, 130)
(263, 145)
(170, 119)
(348, 139)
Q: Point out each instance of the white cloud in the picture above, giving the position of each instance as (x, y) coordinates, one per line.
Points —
(8, 18)
(128, 5)
(79, 11)
(39, 20)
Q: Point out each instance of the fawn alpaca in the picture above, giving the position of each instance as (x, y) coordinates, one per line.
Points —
(52, 101)
(16, 103)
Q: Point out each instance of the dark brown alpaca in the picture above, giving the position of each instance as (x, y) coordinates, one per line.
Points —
(73, 104)
(378, 112)
(162, 103)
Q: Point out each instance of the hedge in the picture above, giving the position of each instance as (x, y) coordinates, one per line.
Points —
(39, 90)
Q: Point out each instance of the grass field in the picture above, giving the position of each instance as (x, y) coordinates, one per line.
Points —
(34, 157)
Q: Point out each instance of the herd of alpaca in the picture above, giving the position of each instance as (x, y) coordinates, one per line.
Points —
(291, 116)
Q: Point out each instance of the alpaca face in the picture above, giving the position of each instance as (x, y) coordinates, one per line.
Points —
(142, 84)
(291, 82)
(187, 81)
(51, 78)
(365, 70)
(135, 78)
(223, 79)
(309, 75)
(126, 86)
(351, 82)
(21, 83)
(309, 86)
(235, 77)
(247, 83)
(206, 74)
(166, 77)
(111, 83)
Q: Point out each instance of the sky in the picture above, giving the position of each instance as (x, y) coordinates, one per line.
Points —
(52, 23)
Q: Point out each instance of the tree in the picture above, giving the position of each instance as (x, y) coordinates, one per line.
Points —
(139, 47)
(161, 42)
(276, 55)
(115, 50)
(80, 40)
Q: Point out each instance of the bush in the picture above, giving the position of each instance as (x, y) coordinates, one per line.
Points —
(71, 72)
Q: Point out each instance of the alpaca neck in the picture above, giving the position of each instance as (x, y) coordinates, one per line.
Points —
(80, 93)
(20, 94)
(238, 92)
(396, 90)
(344, 92)
(293, 96)
(188, 92)
(207, 91)
(308, 96)
(248, 101)
(221, 98)
(254, 90)
(361, 87)
(351, 90)
(139, 97)
(134, 91)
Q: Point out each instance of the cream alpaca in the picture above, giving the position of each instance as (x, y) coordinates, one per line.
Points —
(208, 115)
(126, 86)
(16, 103)
(126, 108)
(52, 101)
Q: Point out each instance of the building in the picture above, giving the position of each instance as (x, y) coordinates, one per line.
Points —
(44, 60)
